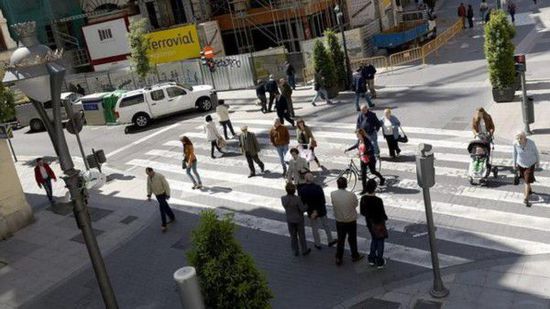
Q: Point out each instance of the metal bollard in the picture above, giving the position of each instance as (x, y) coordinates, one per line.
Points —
(189, 289)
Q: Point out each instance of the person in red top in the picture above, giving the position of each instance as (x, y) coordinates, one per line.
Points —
(367, 158)
(461, 12)
(43, 175)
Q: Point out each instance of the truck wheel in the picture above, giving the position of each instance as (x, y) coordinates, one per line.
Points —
(36, 125)
(141, 120)
(204, 104)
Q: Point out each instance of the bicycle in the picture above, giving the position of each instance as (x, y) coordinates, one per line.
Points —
(352, 173)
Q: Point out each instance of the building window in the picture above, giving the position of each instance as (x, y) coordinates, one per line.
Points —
(105, 34)
(152, 12)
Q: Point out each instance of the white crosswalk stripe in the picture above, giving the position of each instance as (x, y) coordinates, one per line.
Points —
(466, 216)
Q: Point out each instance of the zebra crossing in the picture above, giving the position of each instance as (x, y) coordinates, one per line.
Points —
(473, 223)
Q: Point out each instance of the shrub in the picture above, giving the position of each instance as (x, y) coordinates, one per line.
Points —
(138, 46)
(324, 64)
(7, 105)
(227, 275)
(337, 55)
(499, 50)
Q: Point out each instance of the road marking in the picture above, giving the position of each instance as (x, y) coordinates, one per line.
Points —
(141, 140)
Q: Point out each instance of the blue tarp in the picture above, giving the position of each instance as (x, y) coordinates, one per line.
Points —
(391, 40)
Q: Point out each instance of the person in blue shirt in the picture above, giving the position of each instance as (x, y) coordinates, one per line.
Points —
(360, 88)
(525, 159)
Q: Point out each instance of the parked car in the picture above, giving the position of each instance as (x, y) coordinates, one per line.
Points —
(27, 115)
(142, 105)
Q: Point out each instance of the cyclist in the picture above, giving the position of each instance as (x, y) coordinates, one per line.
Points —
(366, 157)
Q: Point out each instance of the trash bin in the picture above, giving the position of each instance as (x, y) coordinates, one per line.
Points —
(93, 108)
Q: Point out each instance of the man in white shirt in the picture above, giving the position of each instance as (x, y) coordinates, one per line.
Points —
(223, 115)
(344, 204)
(297, 168)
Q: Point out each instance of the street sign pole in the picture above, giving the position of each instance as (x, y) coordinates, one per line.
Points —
(6, 128)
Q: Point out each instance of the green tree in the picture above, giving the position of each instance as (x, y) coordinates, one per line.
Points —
(499, 50)
(324, 64)
(7, 104)
(138, 47)
(227, 275)
(337, 55)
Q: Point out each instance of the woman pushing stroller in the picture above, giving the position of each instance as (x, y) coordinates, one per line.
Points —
(480, 148)
(482, 123)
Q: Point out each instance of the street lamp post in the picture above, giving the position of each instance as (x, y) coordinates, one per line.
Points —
(32, 67)
(340, 21)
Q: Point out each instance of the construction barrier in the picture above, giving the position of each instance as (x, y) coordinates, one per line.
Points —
(378, 62)
(407, 56)
(441, 39)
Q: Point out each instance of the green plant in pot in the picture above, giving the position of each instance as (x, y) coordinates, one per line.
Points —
(499, 51)
(337, 55)
(324, 68)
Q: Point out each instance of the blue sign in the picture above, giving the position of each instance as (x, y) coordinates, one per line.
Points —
(90, 106)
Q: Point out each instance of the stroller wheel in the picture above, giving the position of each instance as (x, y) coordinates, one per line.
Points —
(495, 172)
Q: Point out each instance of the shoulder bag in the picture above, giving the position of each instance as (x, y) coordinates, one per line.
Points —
(402, 138)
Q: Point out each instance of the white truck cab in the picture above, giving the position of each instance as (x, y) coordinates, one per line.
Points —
(142, 105)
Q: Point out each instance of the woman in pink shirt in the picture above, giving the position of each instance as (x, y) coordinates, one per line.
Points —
(366, 157)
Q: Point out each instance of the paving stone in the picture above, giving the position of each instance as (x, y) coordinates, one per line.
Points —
(128, 219)
(377, 303)
(80, 239)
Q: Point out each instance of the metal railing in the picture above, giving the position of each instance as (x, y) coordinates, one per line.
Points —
(406, 56)
(441, 39)
(378, 62)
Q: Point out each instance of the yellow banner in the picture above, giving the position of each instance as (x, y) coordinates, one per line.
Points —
(173, 45)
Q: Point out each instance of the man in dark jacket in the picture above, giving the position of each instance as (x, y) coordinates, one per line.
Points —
(368, 72)
(250, 148)
(313, 197)
(260, 93)
(286, 91)
(273, 89)
(369, 122)
(281, 105)
(290, 75)
(360, 88)
(372, 207)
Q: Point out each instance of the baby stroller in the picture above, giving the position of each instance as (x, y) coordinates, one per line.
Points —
(481, 160)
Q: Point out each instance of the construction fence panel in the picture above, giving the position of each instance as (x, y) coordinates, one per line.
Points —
(442, 39)
(232, 72)
(406, 56)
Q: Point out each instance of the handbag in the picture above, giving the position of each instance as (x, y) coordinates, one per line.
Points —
(516, 177)
(183, 164)
(221, 142)
(380, 231)
(402, 138)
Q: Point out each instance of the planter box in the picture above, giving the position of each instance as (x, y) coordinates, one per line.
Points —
(332, 92)
(504, 94)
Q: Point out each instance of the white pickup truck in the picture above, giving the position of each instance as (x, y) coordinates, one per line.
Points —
(142, 105)
(27, 115)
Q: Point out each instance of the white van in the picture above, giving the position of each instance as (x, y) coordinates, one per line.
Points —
(27, 115)
(142, 105)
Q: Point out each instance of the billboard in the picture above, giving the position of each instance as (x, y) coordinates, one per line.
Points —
(107, 43)
(173, 45)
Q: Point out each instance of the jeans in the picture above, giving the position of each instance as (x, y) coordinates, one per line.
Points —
(193, 167)
(225, 125)
(281, 151)
(48, 188)
(393, 145)
(297, 236)
(372, 168)
(212, 145)
(164, 209)
(251, 159)
(358, 95)
(346, 230)
(315, 229)
(373, 137)
(291, 81)
(376, 254)
(322, 92)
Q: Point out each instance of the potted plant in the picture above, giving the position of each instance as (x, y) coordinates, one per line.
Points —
(499, 51)
(337, 55)
(324, 67)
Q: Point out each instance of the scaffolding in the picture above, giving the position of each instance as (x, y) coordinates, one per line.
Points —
(281, 21)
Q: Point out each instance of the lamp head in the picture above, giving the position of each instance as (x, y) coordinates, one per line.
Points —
(28, 64)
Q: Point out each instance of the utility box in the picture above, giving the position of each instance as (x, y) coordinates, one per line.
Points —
(425, 170)
(93, 108)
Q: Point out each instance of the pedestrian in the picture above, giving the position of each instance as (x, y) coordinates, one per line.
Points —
(283, 112)
(483, 7)
(250, 148)
(286, 91)
(80, 90)
(280, 138)
(470, 15)
(482, 123)
(368, 73)
(462, 14)
(512, 10)
(390, 129)
(344, 204)
(320, 88)
(368, 121)
(189, 162)
(43, 174)
(525, 158)
(222, 110)
(306, 139)
(294, 209)
(273, 90)
(488, 15)
(372, 207)
(366, 158)
(360, 88)
(290, 75)
(213, 136)
(260, 93)
(157, 184)
(313, 197)
(297, 169)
